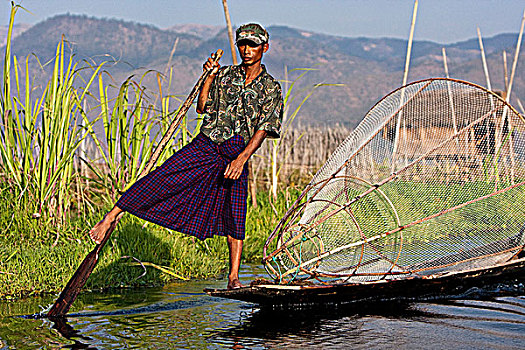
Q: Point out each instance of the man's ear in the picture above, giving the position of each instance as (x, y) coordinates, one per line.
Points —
(266, 46)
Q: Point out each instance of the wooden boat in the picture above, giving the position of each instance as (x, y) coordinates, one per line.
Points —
(438, 286)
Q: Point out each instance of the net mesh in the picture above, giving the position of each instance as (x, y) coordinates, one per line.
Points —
(431, 181)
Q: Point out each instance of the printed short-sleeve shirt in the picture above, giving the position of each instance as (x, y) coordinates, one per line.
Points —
(234, 109)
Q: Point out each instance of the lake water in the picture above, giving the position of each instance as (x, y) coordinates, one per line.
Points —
(181, 316)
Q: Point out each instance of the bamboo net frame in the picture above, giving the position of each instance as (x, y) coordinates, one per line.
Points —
(421, 186)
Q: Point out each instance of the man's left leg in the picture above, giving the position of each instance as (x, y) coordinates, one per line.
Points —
(235, 248)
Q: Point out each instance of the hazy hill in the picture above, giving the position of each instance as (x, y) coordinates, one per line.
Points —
(201, 30)
(369, 68)
(132, 43)
(17, 30)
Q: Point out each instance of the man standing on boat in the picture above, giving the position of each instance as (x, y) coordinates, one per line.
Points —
(201, 190)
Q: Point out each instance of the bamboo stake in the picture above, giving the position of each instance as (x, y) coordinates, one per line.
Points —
(506, 82)
(512, 157)
(515, 63)
(509, 91)
(489, 87)
(505, 71)
(275, 143)
(405, 77)
(230, 30)
(252, 184)
(521, 106)
(410, 39)
(450, 98)
(484, 60)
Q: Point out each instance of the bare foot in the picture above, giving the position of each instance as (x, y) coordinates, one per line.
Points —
(234, 284)
(100, 230)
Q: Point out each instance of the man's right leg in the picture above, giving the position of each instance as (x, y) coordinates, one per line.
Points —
(235, 249)
(99, 231)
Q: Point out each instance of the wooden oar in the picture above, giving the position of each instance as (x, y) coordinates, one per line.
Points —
(70, 292)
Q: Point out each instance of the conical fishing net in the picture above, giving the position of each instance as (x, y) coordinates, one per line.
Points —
(431, 181)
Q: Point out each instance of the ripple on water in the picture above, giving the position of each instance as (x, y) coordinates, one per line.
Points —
(180, 316)
(481, 323)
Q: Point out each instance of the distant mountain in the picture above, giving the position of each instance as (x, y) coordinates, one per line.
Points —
(133, 44)
(201, 30)
(369, 68)
(17, 30)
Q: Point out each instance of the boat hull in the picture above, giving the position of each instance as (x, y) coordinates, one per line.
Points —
(446, 286)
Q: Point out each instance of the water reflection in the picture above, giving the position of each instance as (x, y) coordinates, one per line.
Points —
(68, 332)
(316, 327)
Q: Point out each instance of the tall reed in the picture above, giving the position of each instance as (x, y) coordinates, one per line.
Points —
(39, 135)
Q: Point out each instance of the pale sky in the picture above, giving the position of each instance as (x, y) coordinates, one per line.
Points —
(442, 21)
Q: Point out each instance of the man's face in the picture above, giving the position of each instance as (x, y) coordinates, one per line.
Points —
(250, 52)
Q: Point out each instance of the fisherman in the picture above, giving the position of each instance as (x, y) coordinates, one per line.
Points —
(202, 189)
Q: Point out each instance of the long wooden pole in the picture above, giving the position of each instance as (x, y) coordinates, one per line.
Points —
(509, 90)
(405, 78)
(410, 40)
(230, 30)
(516, 55)
(451, 100)
(451, 103)
(484, 60)
(489, 86)
(521, 106)
(70, 292)
(505, 71)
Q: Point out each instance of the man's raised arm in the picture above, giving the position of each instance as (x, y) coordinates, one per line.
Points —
(203, 94)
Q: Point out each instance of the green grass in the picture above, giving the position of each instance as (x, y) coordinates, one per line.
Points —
(37, 258)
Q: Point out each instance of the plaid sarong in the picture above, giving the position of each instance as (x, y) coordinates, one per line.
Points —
(189, 194)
